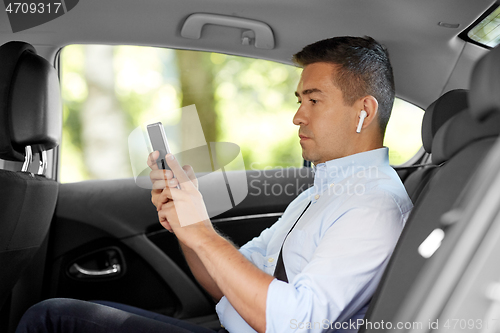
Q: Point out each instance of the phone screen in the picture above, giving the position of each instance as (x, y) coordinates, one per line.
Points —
(159, 142)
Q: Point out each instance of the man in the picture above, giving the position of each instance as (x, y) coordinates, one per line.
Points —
(329, 248)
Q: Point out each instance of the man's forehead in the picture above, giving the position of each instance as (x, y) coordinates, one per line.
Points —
(318, 70)
(316, 77)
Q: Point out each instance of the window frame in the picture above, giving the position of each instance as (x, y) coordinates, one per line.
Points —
(465, 33)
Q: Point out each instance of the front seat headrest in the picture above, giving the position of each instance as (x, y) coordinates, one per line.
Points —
(439, 112)
(484, 95)
(460, 131)
(30, 102)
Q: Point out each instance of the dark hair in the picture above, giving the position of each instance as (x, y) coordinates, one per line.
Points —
(363, 69)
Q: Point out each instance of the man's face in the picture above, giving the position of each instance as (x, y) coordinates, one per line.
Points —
(327, 125)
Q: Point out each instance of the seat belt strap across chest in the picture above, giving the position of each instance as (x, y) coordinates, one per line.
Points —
(279, 271)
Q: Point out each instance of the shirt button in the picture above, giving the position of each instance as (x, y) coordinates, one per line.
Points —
(316, 196)
(270, 259)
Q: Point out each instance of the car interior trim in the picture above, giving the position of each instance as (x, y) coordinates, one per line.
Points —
(28, 158)
(261, 32)
(193, 301)
(246, 217)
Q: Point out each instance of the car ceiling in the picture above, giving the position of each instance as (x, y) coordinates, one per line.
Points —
(428, 59)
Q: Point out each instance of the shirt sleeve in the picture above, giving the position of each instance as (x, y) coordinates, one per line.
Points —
(343, 272)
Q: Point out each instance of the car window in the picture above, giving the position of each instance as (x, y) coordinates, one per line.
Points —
(403, 135)
(486, 31)
(110, 90)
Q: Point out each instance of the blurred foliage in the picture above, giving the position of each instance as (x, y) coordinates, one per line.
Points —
(255, 103)
(74, 92)
(196, 75)
(246, 101)
(403, 135)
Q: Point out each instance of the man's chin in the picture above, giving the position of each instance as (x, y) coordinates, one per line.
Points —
(306, 157)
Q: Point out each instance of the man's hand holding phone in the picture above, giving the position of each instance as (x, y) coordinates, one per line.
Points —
(161, 179)
(179, 210)
(177, 200)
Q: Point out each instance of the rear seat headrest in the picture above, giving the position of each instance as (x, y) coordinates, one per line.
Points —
(484, 95)
(458, 132)
(30, 102)
(9, 55)
(439, 112)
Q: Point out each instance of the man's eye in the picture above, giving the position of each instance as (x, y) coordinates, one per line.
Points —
(299, 102)
(314, 101)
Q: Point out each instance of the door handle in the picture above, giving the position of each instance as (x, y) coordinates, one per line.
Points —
(113, 270)
(264, 37)
(101, 264)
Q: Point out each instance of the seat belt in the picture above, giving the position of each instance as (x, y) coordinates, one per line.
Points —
(416, 166)
(279, 271)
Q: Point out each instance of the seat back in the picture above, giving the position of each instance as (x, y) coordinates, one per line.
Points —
(435, 116)
(463, 142)
(454, 281)
(30, 123)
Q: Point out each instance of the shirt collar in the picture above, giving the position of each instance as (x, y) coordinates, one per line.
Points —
(334, 171)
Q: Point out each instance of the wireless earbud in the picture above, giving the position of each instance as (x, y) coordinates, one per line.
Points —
(362, 117)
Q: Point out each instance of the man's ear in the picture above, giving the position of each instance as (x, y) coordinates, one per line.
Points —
(370, 105)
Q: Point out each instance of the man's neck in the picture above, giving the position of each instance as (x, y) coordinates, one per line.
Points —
(351, 152)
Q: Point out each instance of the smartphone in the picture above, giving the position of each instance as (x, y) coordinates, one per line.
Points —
(159, 142)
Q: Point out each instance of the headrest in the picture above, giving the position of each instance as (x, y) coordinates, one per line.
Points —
(484, 95)
(439, 112)
(460, 131)
(30, 102)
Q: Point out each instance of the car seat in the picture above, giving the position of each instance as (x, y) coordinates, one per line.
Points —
(30, 123)
(435, 116)
(462, 142)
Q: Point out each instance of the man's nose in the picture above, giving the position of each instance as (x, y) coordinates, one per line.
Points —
(300, 117)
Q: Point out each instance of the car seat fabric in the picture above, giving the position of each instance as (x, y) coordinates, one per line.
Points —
(484, 97)
(444, 108)
(439, 112)
(487, 113)
(460, 131)
(29, 101)
(465, 143)
(9, 54)
(35, 104)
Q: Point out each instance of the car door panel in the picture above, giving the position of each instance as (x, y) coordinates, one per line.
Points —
(123, 288)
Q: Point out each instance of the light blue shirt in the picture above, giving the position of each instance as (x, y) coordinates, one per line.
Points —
(337, 252)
